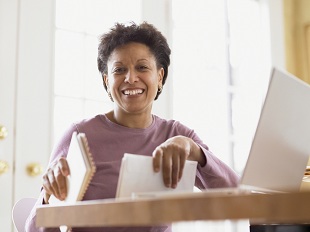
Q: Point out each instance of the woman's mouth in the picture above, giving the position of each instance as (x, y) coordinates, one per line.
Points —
(132, 92)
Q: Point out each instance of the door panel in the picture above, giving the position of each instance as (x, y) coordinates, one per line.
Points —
(26, 64)
(8, 32)
(34, 93)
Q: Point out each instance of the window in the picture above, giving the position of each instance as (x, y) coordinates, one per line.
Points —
(249, 62)
(221, 68)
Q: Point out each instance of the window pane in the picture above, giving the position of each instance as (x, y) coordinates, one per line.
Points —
(66, 111)
(70, 15)
(69, 64)
(200, 61)
(249, 73)
(100, 15)
(93, 83)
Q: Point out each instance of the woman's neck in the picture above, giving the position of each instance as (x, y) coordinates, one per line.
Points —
(139, 120)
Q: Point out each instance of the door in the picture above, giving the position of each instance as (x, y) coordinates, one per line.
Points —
(8, 36)
(26, 48)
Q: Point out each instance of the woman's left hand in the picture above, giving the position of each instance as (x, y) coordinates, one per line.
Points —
(172, 154)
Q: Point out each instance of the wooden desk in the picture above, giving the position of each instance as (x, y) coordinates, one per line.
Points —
(268, 208)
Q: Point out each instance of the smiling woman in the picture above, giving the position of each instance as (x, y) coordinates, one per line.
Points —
(220, 104)
(133, 60)
(133, 82)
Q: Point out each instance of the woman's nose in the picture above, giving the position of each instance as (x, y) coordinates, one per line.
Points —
(131, 77)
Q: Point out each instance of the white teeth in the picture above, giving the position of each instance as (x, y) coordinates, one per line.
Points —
(133, 92)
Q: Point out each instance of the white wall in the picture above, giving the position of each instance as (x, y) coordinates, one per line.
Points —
(274, 16)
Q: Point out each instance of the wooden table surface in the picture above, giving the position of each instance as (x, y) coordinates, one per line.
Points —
(267, 208)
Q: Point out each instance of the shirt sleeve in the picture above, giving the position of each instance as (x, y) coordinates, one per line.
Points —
(215, 173)
(30, 225)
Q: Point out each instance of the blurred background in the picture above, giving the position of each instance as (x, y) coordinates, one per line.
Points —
(222, 54)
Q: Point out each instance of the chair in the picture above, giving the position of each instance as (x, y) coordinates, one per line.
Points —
(21, 211)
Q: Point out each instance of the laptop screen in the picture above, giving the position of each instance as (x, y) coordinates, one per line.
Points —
(281, 145)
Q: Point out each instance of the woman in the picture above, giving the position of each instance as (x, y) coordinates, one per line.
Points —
(133, 61)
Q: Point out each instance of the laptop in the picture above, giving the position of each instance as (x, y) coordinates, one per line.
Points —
(281, 146)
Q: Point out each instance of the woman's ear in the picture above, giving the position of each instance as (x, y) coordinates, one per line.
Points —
(106, 80)
(161, 73)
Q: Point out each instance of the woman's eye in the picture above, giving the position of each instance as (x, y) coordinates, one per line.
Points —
(142, 67)
(119, 70)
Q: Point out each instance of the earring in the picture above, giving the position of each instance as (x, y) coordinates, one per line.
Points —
(110, 95)
(160, 89)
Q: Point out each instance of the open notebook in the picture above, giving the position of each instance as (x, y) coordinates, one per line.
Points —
(82, 169)
(137, 178)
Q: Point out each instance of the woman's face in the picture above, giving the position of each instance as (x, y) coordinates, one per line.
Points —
(133, 78)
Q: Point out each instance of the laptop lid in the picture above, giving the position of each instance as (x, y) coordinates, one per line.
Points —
(281, 146)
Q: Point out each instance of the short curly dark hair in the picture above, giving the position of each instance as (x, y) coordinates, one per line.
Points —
(144, 33)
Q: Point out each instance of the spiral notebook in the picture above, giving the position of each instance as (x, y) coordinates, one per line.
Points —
(82, 169)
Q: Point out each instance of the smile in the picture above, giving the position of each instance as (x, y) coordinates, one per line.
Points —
(133, 92)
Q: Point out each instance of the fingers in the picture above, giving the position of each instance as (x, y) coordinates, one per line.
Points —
(157, 156)
(172, 161)
(64, 167)
(51, 176)
(47, 186)
(46, 197)
(160, 160)
(182, 164)
(54, 180)
(60, 184)
(62, 172)
(175, 169)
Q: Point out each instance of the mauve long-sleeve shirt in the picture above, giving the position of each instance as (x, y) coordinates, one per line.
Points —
(109, 141)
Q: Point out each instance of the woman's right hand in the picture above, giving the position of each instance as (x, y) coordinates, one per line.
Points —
(54, 180)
